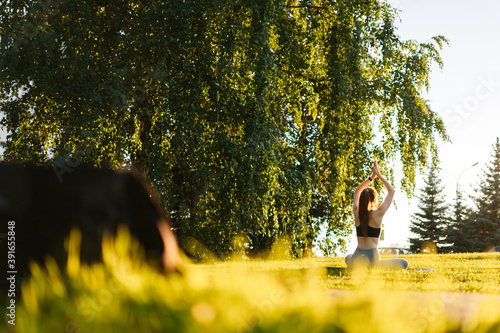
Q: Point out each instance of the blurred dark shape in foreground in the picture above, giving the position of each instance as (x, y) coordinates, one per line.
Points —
(45, 207)
(495, 249)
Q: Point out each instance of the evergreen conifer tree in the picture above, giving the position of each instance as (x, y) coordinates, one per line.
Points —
(459, 228)
(484, 223)
(431, 221)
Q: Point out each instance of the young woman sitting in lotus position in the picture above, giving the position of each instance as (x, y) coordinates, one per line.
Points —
(368, 216)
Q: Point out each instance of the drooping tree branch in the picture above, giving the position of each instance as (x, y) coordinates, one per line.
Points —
(303, 6)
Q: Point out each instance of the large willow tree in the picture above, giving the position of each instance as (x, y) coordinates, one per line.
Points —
(252, 118)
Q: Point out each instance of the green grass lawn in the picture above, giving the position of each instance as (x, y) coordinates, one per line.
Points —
(478, 272)
(123, 294)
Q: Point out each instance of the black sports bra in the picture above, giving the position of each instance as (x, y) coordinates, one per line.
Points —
(372, 232)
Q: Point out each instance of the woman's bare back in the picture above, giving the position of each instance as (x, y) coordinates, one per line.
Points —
(375, 221)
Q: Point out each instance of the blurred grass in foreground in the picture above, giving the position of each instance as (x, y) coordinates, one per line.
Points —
(124, 294)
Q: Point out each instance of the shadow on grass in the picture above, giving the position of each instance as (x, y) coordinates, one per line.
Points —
(337, 271)
(303, 272)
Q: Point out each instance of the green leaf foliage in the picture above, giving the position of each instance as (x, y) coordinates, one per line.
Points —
(254, 118)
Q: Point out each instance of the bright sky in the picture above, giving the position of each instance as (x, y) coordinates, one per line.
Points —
(466, 93)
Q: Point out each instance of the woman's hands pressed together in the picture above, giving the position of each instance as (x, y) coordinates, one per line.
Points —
(375, 170)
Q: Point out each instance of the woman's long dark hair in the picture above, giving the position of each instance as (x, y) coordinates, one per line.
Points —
(369, 194)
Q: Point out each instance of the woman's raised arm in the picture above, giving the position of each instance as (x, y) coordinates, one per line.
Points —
(361, 186)
(390, 190)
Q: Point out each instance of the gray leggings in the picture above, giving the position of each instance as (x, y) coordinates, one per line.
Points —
(371, 257)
